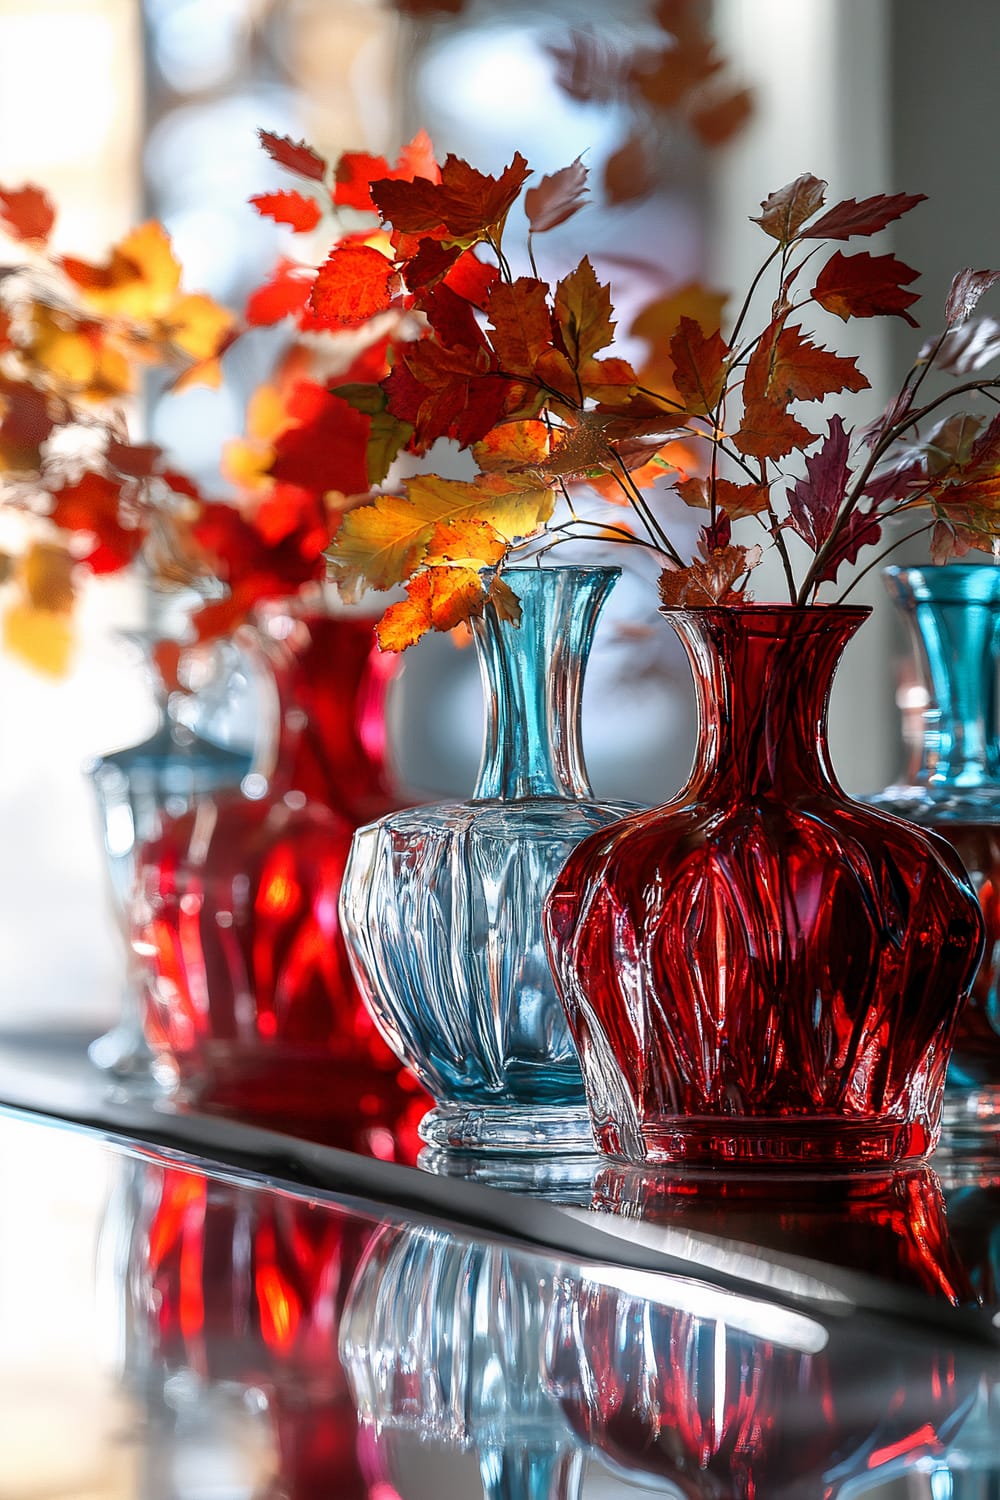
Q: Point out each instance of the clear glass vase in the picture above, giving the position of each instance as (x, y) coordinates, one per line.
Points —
(764, 971)
(953, 785)
(442, 905)
(136, 789)
(442, 1338)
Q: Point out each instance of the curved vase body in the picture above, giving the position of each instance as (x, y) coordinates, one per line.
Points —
(764, 971)
(442, 905)
(250, 1002)
(953, 616)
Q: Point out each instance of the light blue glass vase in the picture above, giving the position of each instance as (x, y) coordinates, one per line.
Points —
(443, 1339)
(442, 905)
(953, 786)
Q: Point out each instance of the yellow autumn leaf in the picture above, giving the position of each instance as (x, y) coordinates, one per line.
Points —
(41, 638)
(474, 544)
(77, 357)
(512, 445)
(383, 542)
(46, 573)
(139, 280)
(583, 311)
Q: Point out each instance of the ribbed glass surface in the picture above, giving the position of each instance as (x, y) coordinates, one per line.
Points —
(442, 905)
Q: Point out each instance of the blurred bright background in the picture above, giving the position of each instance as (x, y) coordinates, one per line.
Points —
(124, 110)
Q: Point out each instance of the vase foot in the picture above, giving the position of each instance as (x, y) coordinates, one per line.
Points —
(971, 1117)
(122, 1053)
(770, 1144)
(558, 1177)
(508, 1129)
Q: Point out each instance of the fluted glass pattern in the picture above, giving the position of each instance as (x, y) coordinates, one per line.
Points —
(764, 970)
(953, 785)
(441, 905)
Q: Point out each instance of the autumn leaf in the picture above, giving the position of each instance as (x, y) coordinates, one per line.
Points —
(285, 295)
(737, 500)
(382, 543)
(522, 323)
(630, 172)
(862, 529)
(134, 460)
(700, 367)
(850, 218)
(465, 205)
(814, 502)
(556, 198)
(139, 280)
(513, 445)
(356, 171)
(472, 543)
(46, 574)
(303, 214)
(784, 212)
(387, 436)
(76, 356)
(27, 213)
(352, 285)
(768, 430)
(709, 581)
(865, 286)
(437, 599)
(27, 420)
(325, 445)
(786, 366)
(659, 320)
(720, 114)
(583, 312)
(964, 294)
(295, 155)
(41, 638)
(93, 506)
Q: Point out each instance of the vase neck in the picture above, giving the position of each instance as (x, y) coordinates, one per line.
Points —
(763, 676)
(953, 616)
(331, 683)
(533, 682)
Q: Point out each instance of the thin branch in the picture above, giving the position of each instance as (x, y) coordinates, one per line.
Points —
(919, 531)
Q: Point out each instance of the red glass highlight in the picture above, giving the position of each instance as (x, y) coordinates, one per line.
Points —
(250, 1003)
(764, 970)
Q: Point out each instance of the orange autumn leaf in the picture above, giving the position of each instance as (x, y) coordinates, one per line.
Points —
(513, 445)
(139, 280)
(357, 170)
(787, 366)
(521, 323)
(41, 638)
(76, 355)
(471, 542)
(657, 323)
(737, 500)
(438, 599)
(709, 581)
(583, 310)
(285, 295)
(46, 574)
(352, 285)
(26, 213)
(700, 366)
(768, 430)
(289, 207)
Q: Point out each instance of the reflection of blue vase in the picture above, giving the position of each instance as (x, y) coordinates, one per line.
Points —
(136, 788)
(953, 786)
(442, 905)
(443, 1338)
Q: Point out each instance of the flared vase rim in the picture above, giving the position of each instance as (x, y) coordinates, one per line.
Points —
(818, 611)
(594, 570)
(944, 583)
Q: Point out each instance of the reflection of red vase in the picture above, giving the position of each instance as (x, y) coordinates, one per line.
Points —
(247, 1287)
(730, 1398)
(764, 971)
(250, 1002)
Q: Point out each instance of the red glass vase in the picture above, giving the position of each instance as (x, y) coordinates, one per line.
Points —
(250, 1004)
(764, 970)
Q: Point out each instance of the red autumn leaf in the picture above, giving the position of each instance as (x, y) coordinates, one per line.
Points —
(93, 505)
(26, 422)
(862, 529)
(297, 156)
(472, 278)
(465, 203)
(768, 430)
(356, 171)
(737, 500)
(290, 207)
(351, 286)
(27, 213)
(556, 198)
(869, 216)
(284, 296)
(446, 392)
(815, 500)
(327, 450)
(785, 366)
(522, 323)
(429, 265)
(866, 286)
(181, 484)
(784, 212)
(966, 289)
(699, 365)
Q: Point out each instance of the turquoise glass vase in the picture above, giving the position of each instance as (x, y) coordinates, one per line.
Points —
(442, 905)
(953, 786)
